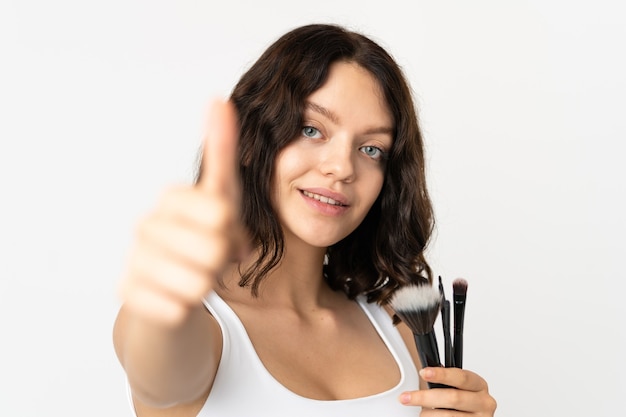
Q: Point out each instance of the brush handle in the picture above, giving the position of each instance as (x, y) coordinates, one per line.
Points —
(458, 351)
(428, 353)
(459, 318)
(447, 338)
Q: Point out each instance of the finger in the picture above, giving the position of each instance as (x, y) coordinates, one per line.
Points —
(442, 399)
(194, 209)
(454, 377)
(219, 152)
(203, 249)
(450, 401)
(152, 269)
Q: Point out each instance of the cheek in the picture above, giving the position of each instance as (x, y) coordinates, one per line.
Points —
(275, 191)
(375, 186)
(289, 165)
(285, 169)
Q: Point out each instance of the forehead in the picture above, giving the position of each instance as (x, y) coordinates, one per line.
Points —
(351, 92)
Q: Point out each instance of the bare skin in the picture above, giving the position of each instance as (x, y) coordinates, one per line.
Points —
(192, 236)
(180, 249)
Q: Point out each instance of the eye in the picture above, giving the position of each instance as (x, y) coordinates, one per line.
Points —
(311, 132)
(373, 152)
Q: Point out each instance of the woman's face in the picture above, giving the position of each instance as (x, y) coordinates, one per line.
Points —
(327, 179)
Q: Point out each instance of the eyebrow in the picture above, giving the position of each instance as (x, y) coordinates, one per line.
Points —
(335, 119)
(323, 111)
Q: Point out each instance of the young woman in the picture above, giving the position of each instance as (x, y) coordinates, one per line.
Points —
(261, 289)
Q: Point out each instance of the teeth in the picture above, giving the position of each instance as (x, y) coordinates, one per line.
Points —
(322, 198)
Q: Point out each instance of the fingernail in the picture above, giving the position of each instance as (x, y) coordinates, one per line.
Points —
(405, 398)
(427, 373)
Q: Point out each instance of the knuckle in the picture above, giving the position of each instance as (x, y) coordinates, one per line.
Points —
(184, 286)
(223, 213)
(466, 378)
(144, 224)
(172, 191)
(491, 404)
(182, 282)
(217, 253)
(167, 197)
(210, 213)
(455, 398)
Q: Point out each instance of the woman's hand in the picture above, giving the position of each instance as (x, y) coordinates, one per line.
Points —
(184, 244)
(471, 396)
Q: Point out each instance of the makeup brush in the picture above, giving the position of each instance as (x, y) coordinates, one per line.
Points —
(418, 307)
(459, 296)
(445, 321)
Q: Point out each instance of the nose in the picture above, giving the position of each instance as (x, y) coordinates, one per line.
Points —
(337, 160)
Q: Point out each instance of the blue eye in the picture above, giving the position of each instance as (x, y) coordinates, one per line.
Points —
(373, 152)
(311, 132)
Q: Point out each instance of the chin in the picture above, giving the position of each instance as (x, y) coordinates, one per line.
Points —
(320, 239)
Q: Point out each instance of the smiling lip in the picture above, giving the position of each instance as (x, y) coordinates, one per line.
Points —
(325, 202)
(326, 197)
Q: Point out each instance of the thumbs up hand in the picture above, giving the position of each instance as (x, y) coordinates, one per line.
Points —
(184, 244)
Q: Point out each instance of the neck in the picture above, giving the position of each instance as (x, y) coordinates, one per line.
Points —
(297, 282)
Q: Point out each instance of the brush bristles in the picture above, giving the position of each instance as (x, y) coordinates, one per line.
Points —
(459, 286)
(417, 306)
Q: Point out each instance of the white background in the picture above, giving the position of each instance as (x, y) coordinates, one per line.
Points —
(522, 105)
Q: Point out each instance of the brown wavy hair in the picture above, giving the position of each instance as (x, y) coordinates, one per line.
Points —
(386, 250)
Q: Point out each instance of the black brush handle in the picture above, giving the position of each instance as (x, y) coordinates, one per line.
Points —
(445, 321)
(459, 323)
(458, 350)
(447, 338)
(429, 353)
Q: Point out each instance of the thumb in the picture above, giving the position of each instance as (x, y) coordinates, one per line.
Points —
(219, 168)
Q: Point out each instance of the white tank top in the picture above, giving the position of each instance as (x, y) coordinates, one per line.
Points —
(243, 387)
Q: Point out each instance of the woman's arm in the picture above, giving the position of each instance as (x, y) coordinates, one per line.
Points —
(168, 365)
(166, 340)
